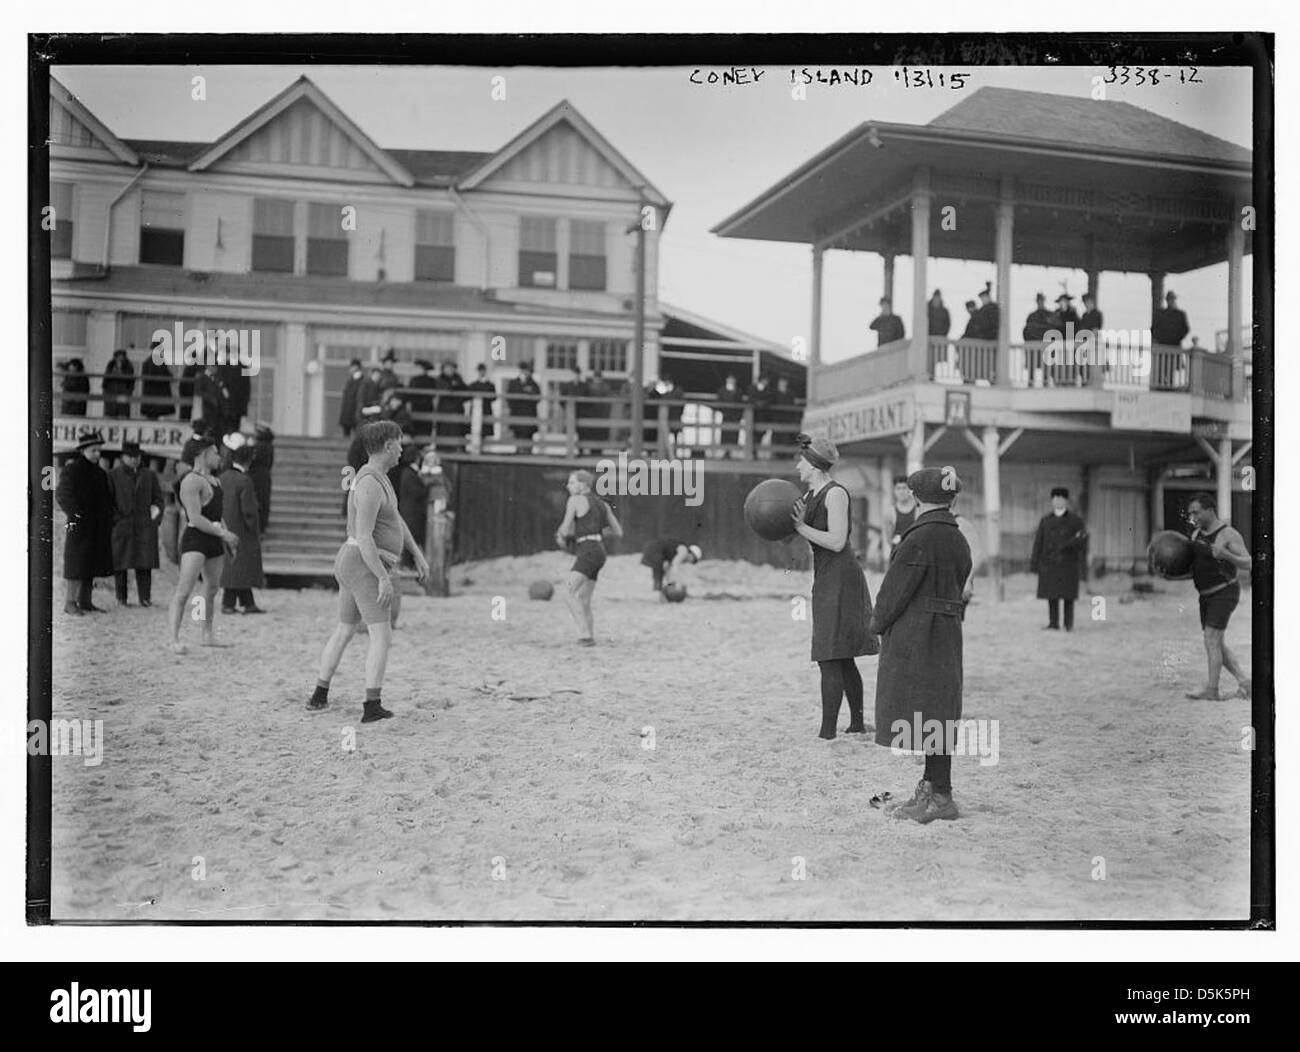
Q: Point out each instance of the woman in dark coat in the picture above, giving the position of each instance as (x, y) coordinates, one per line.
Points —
(918, 616)
(75, 381)
(86, 498)
(242, 572)
(137, 509)
(263, 444)
(156, 385)
(1057, 558)
(841, 602)
(412, 497)
(118, 385)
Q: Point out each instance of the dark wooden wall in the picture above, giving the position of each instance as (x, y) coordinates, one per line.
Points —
(514, 509)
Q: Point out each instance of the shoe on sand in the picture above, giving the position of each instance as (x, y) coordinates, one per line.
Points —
(374, 711)
(1203, 695)
(922, 796)
(938, 806)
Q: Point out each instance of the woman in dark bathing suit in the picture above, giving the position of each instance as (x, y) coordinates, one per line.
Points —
(586, 519)
(204, 541)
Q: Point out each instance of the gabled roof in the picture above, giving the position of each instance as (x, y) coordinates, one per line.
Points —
(680, 321)
(1068, 119)
(303, 89)
(564, 112)
(111, 142)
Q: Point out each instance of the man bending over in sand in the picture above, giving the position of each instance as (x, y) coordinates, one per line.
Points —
(376, 538)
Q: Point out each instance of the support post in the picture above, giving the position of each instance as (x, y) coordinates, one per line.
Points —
(638, 339)
(993, 512)
(1157, 291)
(916, 446)
(437, 539)
(920, 347)
(1005, 228)
(815, 348)
(1236, 304)
(889, 277)
(1223, 479)
(1157, 488)
(1088, 512)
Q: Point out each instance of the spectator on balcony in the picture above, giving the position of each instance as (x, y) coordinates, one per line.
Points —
(423, 380)
(729, 397)
(665, 389)
(526, 397)
(74, 382)
(1038, 322)
(598, 387)
(987, 316)
(972, 326)
(239, 391)
(389, 377)
(887, 325)
(1065, 320)
(213, 399)
(571, 390)
(451, 402)
(351, 391)
(940, 321)
(484, 392)
(1092, 320)
(370, 396)
(1169, 326)
(785, 410)
(156, 387)
(118, 385)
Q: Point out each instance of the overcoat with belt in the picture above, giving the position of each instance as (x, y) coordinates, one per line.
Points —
(239, 512)
(86, 497)
(918, 617)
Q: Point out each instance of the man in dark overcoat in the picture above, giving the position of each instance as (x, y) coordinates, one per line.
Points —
(137, 509)
(242, 572)
(85, 496)
(918, 618)
(1057, 558)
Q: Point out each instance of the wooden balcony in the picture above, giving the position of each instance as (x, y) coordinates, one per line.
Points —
(974, 363)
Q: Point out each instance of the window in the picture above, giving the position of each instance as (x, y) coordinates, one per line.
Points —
(537, 259)
(273, 236)
(516, 349)
(562, 355)
(61, 231)
(435, 246)
(68, 328)
(608, 356)
(162, 229)
(327, 243)
(587, 255)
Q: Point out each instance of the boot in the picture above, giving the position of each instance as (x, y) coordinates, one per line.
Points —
(374, 710)
(924, 791)
(938, 806)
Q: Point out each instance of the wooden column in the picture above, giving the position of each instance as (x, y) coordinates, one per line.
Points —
(889, 277)
(1006, 217)
(993, 509)
(916, 445)
(1088, 511)
(1157, 291)
(815, 344)
(1223, 479)
(1157, 491)
(1236, 304)
(920, 353)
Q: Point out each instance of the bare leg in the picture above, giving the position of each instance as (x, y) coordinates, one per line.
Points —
(381, 637)
(395, 607)
(191, 564)
(1231, 664)
(1214, 652)
(333, 652)
(573, 600)
(211, 579)
(584, 596)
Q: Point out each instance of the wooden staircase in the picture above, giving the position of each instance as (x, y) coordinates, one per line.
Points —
(307, 522)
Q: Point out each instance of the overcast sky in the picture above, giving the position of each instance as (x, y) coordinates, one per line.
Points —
(710, 150)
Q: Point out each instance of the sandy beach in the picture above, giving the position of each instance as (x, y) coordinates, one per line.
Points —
(672, 773)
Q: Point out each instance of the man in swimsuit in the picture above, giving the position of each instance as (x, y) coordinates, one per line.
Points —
(377, 536)
(1218, 552)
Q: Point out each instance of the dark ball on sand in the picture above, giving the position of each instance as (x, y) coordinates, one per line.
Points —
(674, 593)
(540, 590)
(768, 508)
(1170, 554)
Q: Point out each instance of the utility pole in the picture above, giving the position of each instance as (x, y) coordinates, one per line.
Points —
(638, 341)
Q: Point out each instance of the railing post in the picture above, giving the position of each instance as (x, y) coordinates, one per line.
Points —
(751, 435)
(665, 439)
(571, 424)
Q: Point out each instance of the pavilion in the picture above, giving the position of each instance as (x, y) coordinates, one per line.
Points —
(1127, 191)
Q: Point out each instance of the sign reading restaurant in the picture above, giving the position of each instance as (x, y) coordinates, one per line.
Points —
(872, 417)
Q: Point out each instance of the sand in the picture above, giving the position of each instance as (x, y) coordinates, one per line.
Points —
(516, 782)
